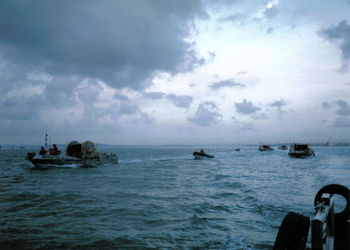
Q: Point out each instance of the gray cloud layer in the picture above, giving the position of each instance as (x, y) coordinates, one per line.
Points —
(226, 83)
(246, 107)
(120, 42)
(342, 122)
(206, 115)
(343, 108)
(341, 33)
(278, 103)
(182, 101)
(153, 95)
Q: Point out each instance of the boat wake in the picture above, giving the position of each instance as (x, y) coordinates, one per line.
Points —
(51, 166)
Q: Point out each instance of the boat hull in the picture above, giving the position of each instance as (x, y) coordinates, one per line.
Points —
(199, 155)
(265, 148)
(301, 154)
(301, 151)
(65, 160)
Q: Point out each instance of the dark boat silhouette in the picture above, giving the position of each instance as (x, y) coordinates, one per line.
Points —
(201, 155)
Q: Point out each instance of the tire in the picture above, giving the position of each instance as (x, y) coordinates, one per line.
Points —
(293, 232)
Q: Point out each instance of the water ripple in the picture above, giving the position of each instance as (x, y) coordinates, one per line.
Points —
(162, 198)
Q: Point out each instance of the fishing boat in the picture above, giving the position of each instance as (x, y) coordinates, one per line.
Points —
(81, 154)
(265, 147)
(201, 155)
(300, 151)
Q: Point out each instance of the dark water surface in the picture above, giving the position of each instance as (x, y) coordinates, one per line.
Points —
(162, 198)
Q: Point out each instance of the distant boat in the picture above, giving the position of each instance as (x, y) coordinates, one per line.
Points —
(300, 151)
(201, 155)
(283, 147)
(265, 147)
(237, 149)
(84, 154)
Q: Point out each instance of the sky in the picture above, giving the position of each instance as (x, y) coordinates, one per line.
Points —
(164, 72)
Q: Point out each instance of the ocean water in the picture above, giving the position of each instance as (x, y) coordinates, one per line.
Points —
(160, 197)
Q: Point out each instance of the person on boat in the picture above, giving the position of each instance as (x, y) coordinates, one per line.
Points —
(202, 151)
(42, 151)
(54, 151)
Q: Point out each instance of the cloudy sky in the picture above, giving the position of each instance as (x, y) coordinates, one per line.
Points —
(175, 72)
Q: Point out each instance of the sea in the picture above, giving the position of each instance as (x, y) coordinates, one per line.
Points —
(160, 197)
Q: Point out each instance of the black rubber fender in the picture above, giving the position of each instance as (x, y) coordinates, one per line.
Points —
(293, 232)
(339, 190)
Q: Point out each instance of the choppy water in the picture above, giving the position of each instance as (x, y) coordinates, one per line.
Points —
(162, 198)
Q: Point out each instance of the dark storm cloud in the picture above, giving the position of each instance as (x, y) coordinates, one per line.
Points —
(27, 105)
(183, 101)
(246, 107)
(60, 92)
(21, 108)
(226, 83)
(206, 115)
(343, 108)
(153, 95)
(120, 42)
(12, 76)
(341, 34)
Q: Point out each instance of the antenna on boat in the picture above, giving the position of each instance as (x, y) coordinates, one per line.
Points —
(46, 140)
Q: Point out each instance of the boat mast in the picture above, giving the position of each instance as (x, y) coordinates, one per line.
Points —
(46, 140)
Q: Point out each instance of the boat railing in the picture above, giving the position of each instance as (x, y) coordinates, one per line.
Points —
(329, 229)
(322, 225)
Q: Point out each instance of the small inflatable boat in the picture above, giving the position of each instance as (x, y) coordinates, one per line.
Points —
(201, 155)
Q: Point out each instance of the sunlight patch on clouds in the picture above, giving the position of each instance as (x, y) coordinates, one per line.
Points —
(263, 12)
